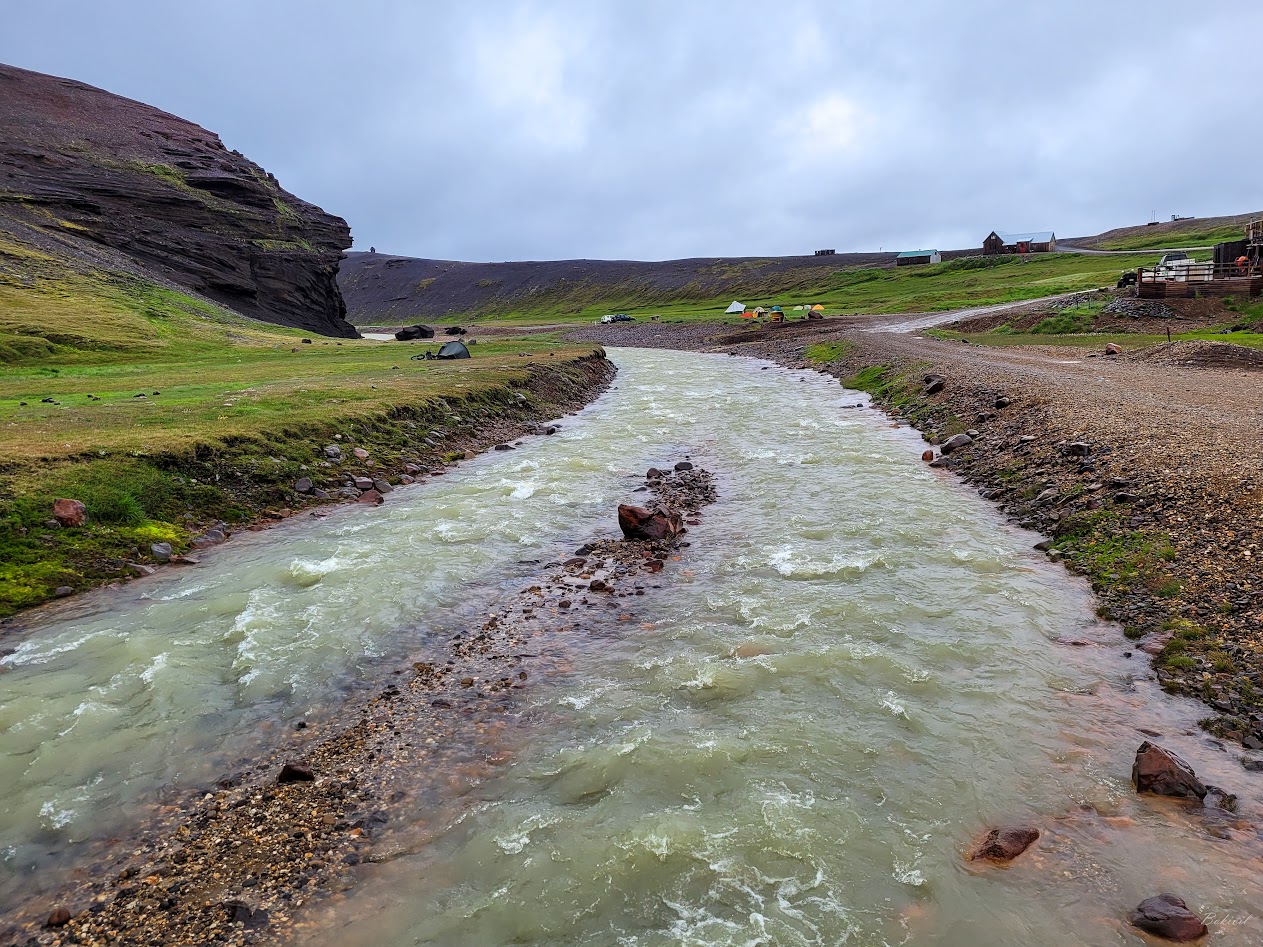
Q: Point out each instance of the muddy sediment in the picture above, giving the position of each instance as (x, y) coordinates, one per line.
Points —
(243, 861)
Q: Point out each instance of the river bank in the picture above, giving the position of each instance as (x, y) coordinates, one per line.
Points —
(1144, 475)
(239, 863)
(134, 510)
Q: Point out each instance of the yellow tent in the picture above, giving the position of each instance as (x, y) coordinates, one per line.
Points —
(817, 308)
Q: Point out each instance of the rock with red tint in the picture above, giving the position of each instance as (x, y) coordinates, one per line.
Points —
(1113, 349)
(361, 453)
(295, 773)
(927, 455)
(1168, 917)
(58, 917)
(1161, 772)
(1005, 843)
(371, 496)
(70, 512)
(638, 523)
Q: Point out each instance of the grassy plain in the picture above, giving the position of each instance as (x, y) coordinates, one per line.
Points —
(955, 284)
(162, 413)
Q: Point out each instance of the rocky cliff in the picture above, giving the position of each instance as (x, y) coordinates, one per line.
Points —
(98, 178)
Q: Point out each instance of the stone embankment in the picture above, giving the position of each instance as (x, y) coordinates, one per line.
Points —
(246, 860)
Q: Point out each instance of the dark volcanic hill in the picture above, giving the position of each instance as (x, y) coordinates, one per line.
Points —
(393, 290)
(97, 178)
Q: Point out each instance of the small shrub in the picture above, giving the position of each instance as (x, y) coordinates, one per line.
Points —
(1132, 633)
(1181, 662)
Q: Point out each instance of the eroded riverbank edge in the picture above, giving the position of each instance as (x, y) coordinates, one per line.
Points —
(400, 446)
(245, 860)
(1159, 515)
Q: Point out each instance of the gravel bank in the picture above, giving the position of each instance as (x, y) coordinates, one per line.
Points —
(245, 861)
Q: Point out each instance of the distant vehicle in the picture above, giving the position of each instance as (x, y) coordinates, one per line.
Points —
(617, 317)
(1175, 256)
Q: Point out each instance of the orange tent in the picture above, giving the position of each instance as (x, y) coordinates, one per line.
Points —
(817, 308)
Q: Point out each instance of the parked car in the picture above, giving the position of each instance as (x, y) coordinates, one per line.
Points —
(617, 317)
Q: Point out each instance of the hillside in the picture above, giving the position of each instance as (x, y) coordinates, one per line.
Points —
(94, 183)
(1194, 232)
(391, 290)
(387, 290)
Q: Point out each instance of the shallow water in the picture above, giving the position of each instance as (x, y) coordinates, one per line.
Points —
(909, 693)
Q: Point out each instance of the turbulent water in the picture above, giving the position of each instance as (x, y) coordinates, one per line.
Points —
(854, 671)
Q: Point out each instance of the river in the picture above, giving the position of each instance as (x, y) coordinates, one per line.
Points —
(854, 671)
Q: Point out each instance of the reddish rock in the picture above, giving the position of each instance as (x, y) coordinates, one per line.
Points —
(371, 496)
(1168, 917)
(361, 453)
(1161, 772)
(70, 512)
(927, 455)
(1112, 348)
(295, 773)
(638, 523)
(59, 917)
(1005, 843)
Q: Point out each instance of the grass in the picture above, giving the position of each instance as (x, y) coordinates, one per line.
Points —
(825, 352)
(161, 412)
(1097, 340)
(966, 282)
(1193, 236)
(1073, 319)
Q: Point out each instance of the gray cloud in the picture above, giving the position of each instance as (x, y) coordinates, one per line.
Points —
(650, 130)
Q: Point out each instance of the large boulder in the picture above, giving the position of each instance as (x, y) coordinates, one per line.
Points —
(409, 333)
(955, 443)
(638, 523)
(1161, 772)
(70, 512)
(1168, 917)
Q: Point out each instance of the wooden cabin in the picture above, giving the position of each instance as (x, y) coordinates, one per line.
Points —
(1037, 241)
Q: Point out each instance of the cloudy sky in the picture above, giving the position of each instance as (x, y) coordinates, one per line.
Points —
(647, 129)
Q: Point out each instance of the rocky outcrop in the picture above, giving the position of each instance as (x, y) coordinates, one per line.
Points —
(1005, 843)
(82, 169)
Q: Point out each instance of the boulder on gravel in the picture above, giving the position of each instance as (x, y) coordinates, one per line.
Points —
(162, 551)
(58, 917)
(1161, 772)
(1112, 348)
(333, 452)
(1168, 917)
(371, 496)
(638, 523)
(295, 773)
(303, 485)
(955, 443)
(1005, 843)
(70, 512)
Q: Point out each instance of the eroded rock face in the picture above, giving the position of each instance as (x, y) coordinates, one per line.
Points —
(82, 169)
(1168, 917)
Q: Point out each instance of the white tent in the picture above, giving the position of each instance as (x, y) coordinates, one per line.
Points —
(735, 307)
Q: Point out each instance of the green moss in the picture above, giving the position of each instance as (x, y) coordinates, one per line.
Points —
(1181, 663)
(826, 352)
(1132, 633)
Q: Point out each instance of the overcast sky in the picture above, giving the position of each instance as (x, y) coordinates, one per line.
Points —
(651, 130)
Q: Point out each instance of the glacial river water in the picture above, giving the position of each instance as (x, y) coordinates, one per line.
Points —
(854, 671)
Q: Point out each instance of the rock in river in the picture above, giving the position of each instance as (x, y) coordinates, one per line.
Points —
(1160, 771)
(1168, 917)
(295, 773)
(1005, 843)
(638, 523)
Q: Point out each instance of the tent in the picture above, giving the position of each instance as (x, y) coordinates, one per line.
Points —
(777, 309)
(453, 349)
(759, 310)
(817, 308)
(799, 308)
(735, 307)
